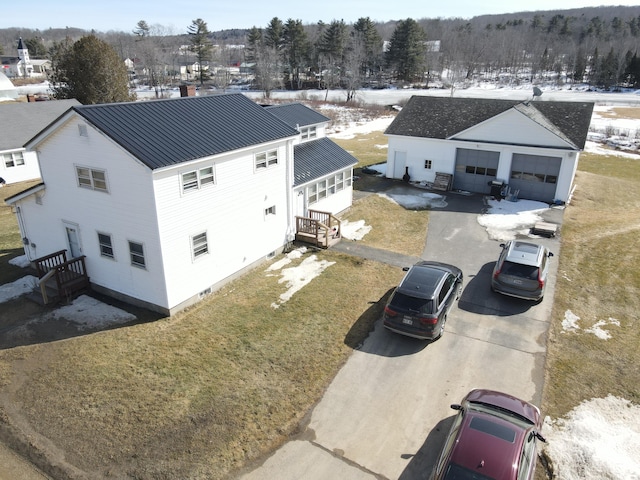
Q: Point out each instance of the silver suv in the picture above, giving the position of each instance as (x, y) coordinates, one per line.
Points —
(521, 270)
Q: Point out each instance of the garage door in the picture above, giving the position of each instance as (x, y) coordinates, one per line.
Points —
(535, 176)
(475, 169)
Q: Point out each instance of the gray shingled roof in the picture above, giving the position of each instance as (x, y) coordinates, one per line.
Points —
(162, 133)
(20, 121)
(443, 117)
(297, 115)
(318, 158)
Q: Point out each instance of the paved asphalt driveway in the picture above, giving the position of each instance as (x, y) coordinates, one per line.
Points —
(386, 413)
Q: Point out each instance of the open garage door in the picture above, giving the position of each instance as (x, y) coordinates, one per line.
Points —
(536, 176)
(475, 169)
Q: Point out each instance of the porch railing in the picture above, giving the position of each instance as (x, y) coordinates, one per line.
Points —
(321, 229)
(66, 277)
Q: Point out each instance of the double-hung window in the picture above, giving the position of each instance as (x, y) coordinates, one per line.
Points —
(14, 159)
(197, 179)
(200, 244)
(266, 159)
(136, 251)
(106, 247)
(307, 133)
(92, 178)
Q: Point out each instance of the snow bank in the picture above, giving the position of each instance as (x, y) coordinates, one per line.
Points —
(598, 440)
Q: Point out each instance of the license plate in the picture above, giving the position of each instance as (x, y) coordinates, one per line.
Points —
(407, 321)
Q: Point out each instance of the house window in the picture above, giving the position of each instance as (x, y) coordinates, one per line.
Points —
(427, 164)
(82, 130)
(322, 189)
(327, 187)
(200, 244)
(197, 179)
(312, 193)
(266, 159)
(339, 181)
(308, 133)
(136, 251)
(270, 211)
(331, 185)
(106, 247)
(14, 159)
(92, 179)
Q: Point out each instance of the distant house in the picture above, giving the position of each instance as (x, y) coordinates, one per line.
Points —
(19, 122)
(167, 200)
(533, 147)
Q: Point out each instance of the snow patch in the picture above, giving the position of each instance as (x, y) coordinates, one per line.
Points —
(599, 439)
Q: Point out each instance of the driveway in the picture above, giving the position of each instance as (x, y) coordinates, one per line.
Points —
(386, 413)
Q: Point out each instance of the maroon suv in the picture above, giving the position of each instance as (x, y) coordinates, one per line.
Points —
(493, 437)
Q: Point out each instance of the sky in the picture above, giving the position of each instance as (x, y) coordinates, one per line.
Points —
(176, 17)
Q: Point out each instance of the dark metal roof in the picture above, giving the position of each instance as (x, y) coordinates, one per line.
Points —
(318, 158)
(297, 115)
(161, 133)
(444, 117)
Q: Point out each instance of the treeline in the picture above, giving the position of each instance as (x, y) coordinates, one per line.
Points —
(598, 46)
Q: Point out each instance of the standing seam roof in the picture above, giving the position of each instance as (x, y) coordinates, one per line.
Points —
(318, 158)
(297, 115)
(162, 133)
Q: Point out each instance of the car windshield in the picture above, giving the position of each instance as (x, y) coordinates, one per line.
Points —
(519, 270)
(457, 472)
(414, 304)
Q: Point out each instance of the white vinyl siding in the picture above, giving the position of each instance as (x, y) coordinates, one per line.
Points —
(92, 179)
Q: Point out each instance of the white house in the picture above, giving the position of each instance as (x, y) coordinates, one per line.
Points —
(532, 147)
(19, 122)
(169, 199)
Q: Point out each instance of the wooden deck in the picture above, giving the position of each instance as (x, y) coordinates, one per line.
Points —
(61, 279)
(320, 229)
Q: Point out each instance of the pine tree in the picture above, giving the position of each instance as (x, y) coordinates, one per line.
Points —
(201, 46)
(407, 50)
(90, 71)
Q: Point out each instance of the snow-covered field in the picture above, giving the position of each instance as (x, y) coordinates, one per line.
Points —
(599, 439)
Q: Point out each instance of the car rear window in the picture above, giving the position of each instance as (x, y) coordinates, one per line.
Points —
(458, 472)
(494, 429)
(519, 270)
(401, 301)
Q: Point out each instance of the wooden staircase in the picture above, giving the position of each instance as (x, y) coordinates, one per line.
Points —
(320, 229)
(61, 279)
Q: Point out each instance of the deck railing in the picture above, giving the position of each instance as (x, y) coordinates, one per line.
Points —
(69, 276)
(320, 228)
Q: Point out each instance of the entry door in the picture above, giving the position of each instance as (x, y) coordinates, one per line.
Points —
(73, 240)
(399, 162)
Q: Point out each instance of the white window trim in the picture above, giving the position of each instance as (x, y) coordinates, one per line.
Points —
(203, 178)
(199, 248)
(270, 159)
(100, 245)
(143, 255)
(91, 185)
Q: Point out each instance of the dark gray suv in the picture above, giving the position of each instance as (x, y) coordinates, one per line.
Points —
(419, 306)
(521, 270)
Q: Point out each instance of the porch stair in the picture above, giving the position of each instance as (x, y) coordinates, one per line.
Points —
(61, 279)
(320, 229)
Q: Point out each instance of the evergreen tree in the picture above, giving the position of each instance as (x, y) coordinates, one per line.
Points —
(90, 71)
(295, 51)
(201, 46)
(365, 33)
(36, 48)
(406, 53)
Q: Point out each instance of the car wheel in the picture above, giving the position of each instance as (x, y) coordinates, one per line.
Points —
(441, 331)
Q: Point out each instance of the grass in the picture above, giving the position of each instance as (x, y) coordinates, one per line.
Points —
(597, 279)
(364, 148)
